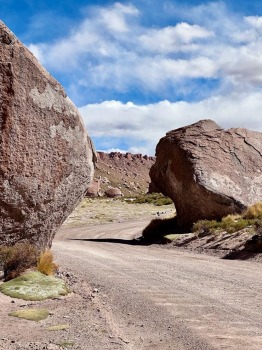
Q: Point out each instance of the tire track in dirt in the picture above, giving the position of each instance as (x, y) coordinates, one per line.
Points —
(167, 299)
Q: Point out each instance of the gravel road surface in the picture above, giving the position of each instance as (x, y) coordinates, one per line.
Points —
(157, 298)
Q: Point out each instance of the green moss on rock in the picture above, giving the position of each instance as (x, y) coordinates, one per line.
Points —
(31, 314)
(34, 286)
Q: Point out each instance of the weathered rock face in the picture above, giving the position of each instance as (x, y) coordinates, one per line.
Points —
(113, 192)
(209, 172)
(46, 157)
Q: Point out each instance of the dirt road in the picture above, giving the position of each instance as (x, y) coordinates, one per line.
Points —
(156, 298)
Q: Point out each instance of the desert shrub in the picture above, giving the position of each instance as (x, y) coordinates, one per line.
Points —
(230, 224)
(157, 199)
(258, 226)
(254, 211)
(205, 226)
(5, 255)
(16, 259)
(46, 263)
(233, 223)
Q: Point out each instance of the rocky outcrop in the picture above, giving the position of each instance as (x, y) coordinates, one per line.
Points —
(126, 171)
(94, 189)
(209, 172)
(119, 155)
(113, 192)
(46, 158)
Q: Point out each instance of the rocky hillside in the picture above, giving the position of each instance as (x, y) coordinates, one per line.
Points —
(127, 172)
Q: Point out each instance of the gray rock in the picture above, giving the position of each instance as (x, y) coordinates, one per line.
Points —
(46, 158)
(209, 172)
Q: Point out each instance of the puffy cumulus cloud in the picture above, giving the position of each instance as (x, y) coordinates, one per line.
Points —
(112, 49)
(140, 127)
(114, 18)
(205, 53)
(254, 21)
(173, 38)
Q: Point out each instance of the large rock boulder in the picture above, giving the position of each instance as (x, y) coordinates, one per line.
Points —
(46, 157)
(209, 172)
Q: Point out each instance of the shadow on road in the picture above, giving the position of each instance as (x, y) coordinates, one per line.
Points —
(239, 255)
(114, 240)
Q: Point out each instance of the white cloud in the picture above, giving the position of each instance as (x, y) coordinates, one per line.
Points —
(112, 49)
(172, 39)
(143, 126)
(109, 150)
(36, 51)
(254, 21)
(114, 18)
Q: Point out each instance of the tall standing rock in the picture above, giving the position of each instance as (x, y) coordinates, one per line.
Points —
(46, 156)
(209, 172)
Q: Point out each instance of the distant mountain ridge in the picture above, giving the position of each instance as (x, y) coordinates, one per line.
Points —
(125, 171)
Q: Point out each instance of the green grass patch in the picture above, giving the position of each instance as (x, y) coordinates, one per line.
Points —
(172, 237)
(31, 314)
(252, 217)
(66, 344)
(157, 199)
(34, 286)
(59, 327)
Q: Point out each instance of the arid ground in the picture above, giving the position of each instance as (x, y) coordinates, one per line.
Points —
(128, 296)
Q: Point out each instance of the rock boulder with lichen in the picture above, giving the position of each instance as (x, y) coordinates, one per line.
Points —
(46, 157)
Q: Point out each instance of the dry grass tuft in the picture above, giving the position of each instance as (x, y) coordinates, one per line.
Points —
(46, 263)
(252, 217)
(253, 212)
(15, 260)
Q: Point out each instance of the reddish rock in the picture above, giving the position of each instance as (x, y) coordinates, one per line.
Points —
(94, 189)
(124, 167)
(100, 155)
(209, 172)
(128, 156)
(113, 192)
(46, 158)
(138, 156)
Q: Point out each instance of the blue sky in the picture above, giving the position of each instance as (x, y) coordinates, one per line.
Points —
(137, 69)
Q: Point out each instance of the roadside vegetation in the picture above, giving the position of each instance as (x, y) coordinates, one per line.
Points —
(157, 199)
(251, 218)
(17, 259)
(28, 273)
